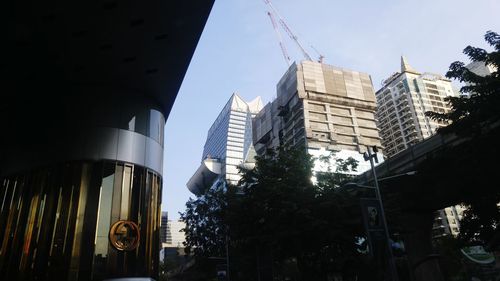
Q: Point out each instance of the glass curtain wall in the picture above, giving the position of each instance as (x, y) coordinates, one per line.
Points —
(55, 222)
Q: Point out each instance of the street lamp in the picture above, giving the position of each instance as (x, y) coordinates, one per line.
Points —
(227, 256)
(368, 156)
(410, 173)
(353, 185)
(239, 193)
(357, 185)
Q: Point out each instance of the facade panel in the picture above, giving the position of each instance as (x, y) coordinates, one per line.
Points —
(321, 107)
(58, 220)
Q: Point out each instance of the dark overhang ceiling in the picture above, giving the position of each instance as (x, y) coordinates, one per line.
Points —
(142, 45)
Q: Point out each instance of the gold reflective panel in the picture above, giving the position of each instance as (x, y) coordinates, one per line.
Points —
(78, 229)
(55, 222)
(124, 235)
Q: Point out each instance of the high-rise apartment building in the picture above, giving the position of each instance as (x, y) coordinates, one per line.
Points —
(447, 221)
(228, 145)
(322, 108)
(402, 102)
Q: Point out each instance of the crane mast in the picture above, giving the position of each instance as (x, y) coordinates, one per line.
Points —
(288, 30)
(278, 34)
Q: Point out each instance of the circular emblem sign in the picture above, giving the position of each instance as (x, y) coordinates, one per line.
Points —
(124, 235)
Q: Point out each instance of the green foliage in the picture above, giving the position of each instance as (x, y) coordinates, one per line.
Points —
(481, 95)
(473, 114)
(279, 221)
(480, 222)
(205, 227)
(203, 269)
(331, 179)
(277, 213)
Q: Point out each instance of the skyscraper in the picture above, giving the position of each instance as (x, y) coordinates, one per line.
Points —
(228, 144)
(402, 102)
(322, 108)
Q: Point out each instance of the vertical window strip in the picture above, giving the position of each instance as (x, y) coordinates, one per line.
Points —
(56, 221)
(68, 220)
(28, 231)
(5, 191)
(82, 202)
(126, 188)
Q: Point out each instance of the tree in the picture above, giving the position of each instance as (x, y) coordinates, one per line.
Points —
(480, 221)
(279, 215)
(279, 221)
(270, 205)
(476, 115)
(478, 106)
(205, 226)
(332, 178)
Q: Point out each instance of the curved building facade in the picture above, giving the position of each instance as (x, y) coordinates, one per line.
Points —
(56, 221)
(61, 197)
(228, 145)
(81, 148)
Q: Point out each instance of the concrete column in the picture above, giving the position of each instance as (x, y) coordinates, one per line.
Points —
(423, 263)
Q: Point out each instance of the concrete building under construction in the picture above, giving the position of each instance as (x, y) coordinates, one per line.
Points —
(323, 108)
(319, 107)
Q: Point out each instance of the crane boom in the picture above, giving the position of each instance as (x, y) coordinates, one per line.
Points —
(278, 34)
(321, 57)
(288, 30)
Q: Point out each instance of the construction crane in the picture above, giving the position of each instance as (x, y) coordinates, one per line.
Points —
(321, 57)
(278, 34)
(288, 30)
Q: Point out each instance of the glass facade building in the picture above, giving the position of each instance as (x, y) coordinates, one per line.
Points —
(61, 202)
(81, 149)
(55, 221)
(229, 144)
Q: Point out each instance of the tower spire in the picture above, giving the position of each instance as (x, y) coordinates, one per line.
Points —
(405, 66)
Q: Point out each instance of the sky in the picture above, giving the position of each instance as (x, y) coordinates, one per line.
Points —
(239, 52)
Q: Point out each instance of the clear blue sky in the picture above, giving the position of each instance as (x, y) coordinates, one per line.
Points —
(239, 52)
